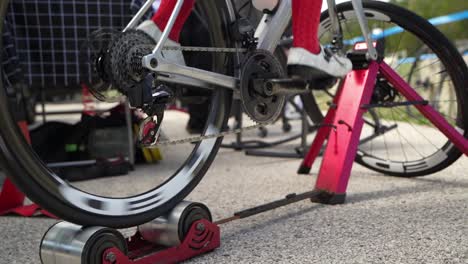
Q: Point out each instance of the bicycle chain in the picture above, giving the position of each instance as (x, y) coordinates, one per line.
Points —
(201, 138)
(222, 134)
(205, 49)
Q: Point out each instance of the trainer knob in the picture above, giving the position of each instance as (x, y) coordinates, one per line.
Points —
(266, 6)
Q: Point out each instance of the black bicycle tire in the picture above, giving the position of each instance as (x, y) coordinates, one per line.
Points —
(22, 165)
(432, 37)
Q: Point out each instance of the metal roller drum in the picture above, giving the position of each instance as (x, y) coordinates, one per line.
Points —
(67, 243)
(170, 230)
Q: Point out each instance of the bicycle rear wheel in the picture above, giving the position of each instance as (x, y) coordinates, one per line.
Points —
(404, 144)
(84, 207)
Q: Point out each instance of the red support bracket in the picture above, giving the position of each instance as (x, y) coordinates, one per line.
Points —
(202, 238)
(12, 199)
(321, 136)
(342, 127)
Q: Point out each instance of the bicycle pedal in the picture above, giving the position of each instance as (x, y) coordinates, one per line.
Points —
(315, 79)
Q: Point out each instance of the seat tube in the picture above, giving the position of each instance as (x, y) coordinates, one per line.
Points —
(361, 16)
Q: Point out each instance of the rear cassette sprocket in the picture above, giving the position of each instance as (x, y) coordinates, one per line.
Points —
(125, 55)
(94, 68)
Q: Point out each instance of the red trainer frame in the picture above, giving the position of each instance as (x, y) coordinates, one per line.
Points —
(344, 122)
(12, 199)
(202, 238)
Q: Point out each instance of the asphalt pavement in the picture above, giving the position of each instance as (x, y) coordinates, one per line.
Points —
(385, 219)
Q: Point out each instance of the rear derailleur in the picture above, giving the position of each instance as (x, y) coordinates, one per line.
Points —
(152, 99)
(111, 63)
(150, 127)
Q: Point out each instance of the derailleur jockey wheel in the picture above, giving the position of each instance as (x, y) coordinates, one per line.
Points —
(258, 67)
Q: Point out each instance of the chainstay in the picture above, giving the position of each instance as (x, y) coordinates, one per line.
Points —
(201, 138)
(204, 49)
(222, 134)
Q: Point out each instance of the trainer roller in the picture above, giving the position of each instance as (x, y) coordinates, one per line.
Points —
(185, 232)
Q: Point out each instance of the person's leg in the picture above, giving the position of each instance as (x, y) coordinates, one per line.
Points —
(307, 58)
(306, 21)
(161, 17)
(158, 23)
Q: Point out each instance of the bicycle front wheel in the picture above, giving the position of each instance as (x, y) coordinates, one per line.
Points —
(97, 205)
(400, 141)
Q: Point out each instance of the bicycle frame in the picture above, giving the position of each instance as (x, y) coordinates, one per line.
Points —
(269, 33)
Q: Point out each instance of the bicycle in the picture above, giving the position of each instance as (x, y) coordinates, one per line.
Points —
(435, 89)
(262, 85)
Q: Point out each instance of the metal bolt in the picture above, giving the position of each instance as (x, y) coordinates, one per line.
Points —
(111, 257)
(200, 227)
(262, 109)
(268, 88)
(153, 63)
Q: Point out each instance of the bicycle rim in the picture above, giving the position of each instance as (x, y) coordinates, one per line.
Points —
(405, 143)
(82, 207)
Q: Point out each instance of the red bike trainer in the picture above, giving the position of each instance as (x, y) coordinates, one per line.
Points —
(344, 121)
(10, 196)
(12, 199)
(202, 238)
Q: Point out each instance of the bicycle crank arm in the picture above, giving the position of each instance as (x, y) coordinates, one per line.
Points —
(282, 86)
(188, 75)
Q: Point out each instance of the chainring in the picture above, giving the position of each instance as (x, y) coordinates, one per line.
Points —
(259, 106)
(93, 66)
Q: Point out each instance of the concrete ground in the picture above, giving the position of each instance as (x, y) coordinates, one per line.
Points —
(385, 219)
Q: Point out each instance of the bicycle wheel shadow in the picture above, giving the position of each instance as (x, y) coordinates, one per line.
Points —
(427, 185)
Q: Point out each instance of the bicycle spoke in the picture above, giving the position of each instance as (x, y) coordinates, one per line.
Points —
(412, 146)
(397, 48)
(385, 142)
(399, 135)
(423, 86)
(420, 68)
(417, 130)
(410, 55)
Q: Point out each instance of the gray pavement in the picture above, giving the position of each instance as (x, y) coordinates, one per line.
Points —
(385, 219)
